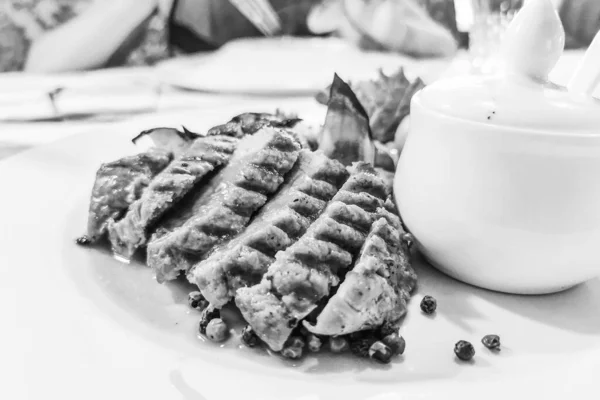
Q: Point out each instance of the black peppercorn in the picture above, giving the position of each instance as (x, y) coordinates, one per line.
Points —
(360, 347)
(464, 350)
(409, 239)
(428, 305)
(380, 352)
(388, 328)
(83, 240)
(293, 348)
(395, 342)
(314, 343)
(295, 341)
(249, 337)
(492, 342)
(207, 316)
(292, 353)
(338, 344)
(197, 301)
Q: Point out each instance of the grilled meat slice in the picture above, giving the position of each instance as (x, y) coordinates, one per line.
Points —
(242, 262)
(377, 289)
(120, 183)
(255, 176)
(204, 156)
(306, 271)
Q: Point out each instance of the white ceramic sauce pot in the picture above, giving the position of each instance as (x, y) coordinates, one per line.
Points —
(510, 209)
(499, 179)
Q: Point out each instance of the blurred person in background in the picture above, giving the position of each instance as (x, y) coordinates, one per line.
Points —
(70, 35)
(581, 19)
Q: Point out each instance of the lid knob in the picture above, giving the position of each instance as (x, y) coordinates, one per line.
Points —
(534, 40)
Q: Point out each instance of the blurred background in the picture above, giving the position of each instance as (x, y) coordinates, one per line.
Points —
(71, 35)
(93, 61)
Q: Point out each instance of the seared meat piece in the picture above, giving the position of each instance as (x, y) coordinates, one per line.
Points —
(304, 273)
(378, 287)
(242, 262)
(254, 177)
(204, 156)
(120, 183)
(250, 123)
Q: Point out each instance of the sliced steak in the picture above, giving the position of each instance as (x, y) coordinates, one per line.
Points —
(378, 287)
(120, 183)
(267, 157)
(314, 180)
(306, 271)
(204, 156)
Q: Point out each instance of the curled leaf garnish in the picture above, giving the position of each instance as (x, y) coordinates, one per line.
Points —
(169, 139)
(346, 135)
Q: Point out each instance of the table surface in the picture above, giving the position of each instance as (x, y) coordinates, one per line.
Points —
(120, 88)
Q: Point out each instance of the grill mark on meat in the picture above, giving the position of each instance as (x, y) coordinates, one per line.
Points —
(259, 179)
(311, 251)
(343, 235)
(118, 184)
(220, 219)
(169, 187)
(378, 287)
(292, 287)
(363, 200)
(280, 223)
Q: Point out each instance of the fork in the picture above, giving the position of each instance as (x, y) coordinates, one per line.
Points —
(261, 14)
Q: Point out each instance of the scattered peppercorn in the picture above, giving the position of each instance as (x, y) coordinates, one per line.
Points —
(249, 337)
(388, 328)
(207, 316)
(293, 347)
(314, 343)
(428, 304)
(357, 335)
(217, 330)
(338, 344)
(295, 341)
(380, 352)
(395, 342)
(360, 347)
(292, 352)
(492, 342)
(464, 350)
(83, 240)
(197, 301)
(409, 239)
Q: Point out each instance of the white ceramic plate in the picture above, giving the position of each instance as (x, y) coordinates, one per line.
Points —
(77, 324)
(276, 66)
